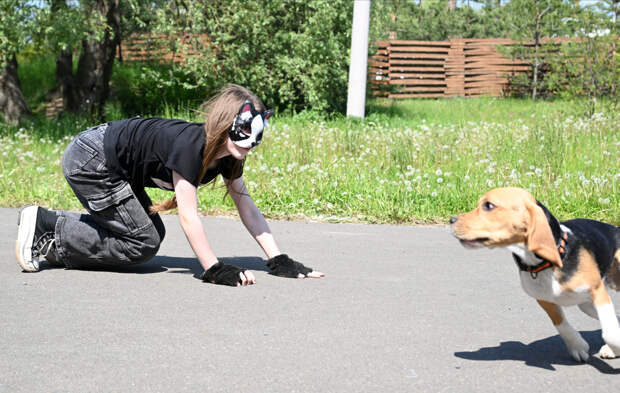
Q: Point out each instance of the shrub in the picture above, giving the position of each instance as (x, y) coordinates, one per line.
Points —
(293, 54)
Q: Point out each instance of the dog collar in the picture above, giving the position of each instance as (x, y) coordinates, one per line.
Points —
(533, 270)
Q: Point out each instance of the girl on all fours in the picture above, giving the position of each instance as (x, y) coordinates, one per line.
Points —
(108, 168)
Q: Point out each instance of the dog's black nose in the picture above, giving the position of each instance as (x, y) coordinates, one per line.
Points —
(453, 220)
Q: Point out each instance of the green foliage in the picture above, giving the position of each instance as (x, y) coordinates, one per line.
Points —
(36, 74)
(294, 54)
(413, 161)
(63, 26)
(433, 21)
(147, 88)
(16, 24)
(588, 66)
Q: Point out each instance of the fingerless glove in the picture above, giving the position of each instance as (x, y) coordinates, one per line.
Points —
(222, 274)
(284, 266)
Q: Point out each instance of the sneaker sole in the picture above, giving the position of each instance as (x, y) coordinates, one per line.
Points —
(25, 237)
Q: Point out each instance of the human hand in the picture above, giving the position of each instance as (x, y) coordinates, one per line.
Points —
(224, 274)
(283, 266)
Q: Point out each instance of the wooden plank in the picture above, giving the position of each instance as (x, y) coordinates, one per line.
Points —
(423, 49)
(417, 82)
(489, 84)
(374, 63)
(482, 86)
(499, 69)
(409, 95)
(421, 43)
(410, 89)
(482, 78)
(490, 60)
(409, 75)
(406, 55)
(415, 68)
(402, 62)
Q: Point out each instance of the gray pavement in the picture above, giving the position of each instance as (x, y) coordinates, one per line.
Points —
(401, 309)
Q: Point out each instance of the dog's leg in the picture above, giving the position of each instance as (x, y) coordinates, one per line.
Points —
(588, 309)
(609, 322)
(577, 346)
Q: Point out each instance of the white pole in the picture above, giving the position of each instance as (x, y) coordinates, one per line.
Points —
(356, 99)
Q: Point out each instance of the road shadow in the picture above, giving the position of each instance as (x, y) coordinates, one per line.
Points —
(179, 265)
(543, 353)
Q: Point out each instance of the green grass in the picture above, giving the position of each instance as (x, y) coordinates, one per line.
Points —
(408, 162)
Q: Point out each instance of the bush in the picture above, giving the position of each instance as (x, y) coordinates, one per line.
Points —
(143, 89)
(292, 54)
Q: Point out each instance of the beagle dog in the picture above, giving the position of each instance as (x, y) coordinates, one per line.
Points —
(560, 263)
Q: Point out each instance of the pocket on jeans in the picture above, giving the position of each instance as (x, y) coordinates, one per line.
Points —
(77, 156)
(117, 209)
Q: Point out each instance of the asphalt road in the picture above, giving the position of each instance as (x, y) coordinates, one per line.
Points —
(401, 309)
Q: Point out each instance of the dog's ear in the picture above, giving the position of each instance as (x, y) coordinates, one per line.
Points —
(539, 236)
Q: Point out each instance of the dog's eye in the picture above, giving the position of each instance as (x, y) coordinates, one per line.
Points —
(488, 206)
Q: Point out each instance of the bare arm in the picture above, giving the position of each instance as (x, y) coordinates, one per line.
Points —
(187, 201)
(252, 218)
(255, 223)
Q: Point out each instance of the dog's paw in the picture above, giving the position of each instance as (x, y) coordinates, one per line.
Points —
(606, 352)
(578, 349)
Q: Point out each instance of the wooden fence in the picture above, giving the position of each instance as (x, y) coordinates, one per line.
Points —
(458, 67)
(399, 69)
(161, 48)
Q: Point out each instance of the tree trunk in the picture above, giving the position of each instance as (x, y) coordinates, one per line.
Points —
(12, 103)
(88, 90)
(66, 81)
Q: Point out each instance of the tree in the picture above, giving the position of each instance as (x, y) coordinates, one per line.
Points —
(91, 28)
(434, 21)
(588, 65)
(15, 27)
(530, 20)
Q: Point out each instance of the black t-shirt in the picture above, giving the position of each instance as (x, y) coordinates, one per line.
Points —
(146, 151)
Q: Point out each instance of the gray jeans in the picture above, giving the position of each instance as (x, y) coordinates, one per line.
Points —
(117, 229)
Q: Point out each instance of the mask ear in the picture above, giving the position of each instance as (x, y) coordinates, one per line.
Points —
(540, 238)
(246, 107)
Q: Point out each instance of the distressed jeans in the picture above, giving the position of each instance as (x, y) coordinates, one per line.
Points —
(117, 229)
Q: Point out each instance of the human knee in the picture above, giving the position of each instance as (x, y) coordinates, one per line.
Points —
(142, 250)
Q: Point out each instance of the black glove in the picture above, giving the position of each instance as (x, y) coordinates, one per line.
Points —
(284, 266)
(223, 274)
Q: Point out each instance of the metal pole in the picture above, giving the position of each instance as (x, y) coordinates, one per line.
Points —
(356, 99)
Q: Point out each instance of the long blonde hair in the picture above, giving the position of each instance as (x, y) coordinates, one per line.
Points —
(219, 112)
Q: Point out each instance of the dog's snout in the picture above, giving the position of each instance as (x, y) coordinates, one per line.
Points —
(453, 220)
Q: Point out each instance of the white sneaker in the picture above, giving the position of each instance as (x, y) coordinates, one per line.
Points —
(26, 225)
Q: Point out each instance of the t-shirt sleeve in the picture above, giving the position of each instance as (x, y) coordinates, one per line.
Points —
(226, 167)
(185, 155)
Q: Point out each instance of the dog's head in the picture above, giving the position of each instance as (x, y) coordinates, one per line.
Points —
(506, 216)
